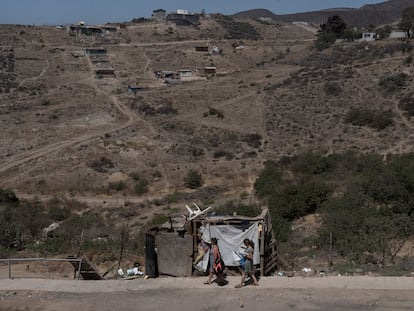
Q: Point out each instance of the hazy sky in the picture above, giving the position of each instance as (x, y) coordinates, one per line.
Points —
(102, 11)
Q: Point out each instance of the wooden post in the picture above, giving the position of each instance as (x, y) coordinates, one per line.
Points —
(194, 225)
(330, 249)
(47, 268)
(262, 249)
(80, 243)
(79, 268)
(121, 251)
(9, 269)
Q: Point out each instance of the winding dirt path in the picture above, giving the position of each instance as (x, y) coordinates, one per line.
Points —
(25, 157)
(42, 73)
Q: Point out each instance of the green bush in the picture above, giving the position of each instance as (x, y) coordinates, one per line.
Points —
(175, 197)
(366, 205)
(281, 227)
(8, 197)
(332, 88)
(193, 180)
(141, 187)
(21, 224)
(393, 83)
(407, 104)
(158, 219)
(223, 153)
(253, 140)
(58, 213)
(297, 200)
(118, 186)
(9, 234)
(377, 119)
(325, 40)
(135, 176)
(309, 163)
(384, 32)
(333, 29)
(359, 229)
(231, 207)
(269, 180)
(216, 112)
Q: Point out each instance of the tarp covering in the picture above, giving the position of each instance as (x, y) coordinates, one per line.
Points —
(230, 240)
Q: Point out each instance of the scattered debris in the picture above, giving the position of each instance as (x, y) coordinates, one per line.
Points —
(52, 227)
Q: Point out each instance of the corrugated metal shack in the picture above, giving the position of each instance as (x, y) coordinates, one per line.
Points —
(175, 243)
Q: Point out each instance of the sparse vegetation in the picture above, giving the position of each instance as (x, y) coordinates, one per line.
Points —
(223, 154)
(174, 197)
(102, 164)
(407, 104)
(215, 112)
(237, 208)
(117, 186)
(332, 88)
(376, 119)
(393, 83)
(253, 140)
(193, 179)
(158, 219)
(237, 30)
(59, 213)
(141, 187)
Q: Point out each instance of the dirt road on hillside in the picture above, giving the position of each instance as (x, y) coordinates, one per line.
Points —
(174, 294)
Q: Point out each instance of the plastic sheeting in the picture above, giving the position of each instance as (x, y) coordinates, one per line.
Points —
(230, 242)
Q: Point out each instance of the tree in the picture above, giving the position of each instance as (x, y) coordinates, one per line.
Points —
(351, 34)
(384, 32)
(333, 29)
(269, 180)
(335, 25)
(407, 21)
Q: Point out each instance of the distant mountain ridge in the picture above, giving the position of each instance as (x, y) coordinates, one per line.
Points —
(371, 14)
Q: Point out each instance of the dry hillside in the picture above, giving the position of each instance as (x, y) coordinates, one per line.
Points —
(60, 122)
(66, 133)
(382, 13)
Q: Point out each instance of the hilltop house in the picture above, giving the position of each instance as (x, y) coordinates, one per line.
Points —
(159, 14)
(183, 18)
(185, 73)
(398, 34)
(369, 36)
(96, 51)
(201, 48)
(206, 71)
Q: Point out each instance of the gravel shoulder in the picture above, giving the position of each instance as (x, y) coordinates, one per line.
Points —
(140, 284)
(176, 294)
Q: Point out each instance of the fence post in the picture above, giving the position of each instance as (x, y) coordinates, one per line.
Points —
(47, 268)
(79, 268)
(9, 261)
